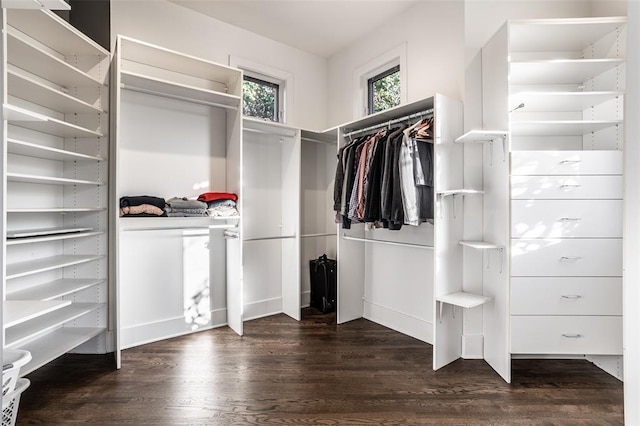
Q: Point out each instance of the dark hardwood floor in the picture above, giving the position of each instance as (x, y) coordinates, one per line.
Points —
(312, 372)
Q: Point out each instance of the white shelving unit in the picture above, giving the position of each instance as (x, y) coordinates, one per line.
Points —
(185, 113)
(558, 86)
(56, 145)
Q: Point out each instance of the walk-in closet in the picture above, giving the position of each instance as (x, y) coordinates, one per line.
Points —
(464, 171)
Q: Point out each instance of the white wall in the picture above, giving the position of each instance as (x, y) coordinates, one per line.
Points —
(174, 27)
(434, 35)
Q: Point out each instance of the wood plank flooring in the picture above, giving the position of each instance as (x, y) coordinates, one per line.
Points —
(312, 372)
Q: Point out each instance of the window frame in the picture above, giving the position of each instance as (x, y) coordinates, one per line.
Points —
(278, 113)
(370, 86)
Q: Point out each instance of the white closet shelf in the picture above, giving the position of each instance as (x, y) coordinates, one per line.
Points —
(24, 54)
(53, 290)
(41, 123)
(54, 31)
(16, 312)
(48, 180)
(481, 136)
(44, 232)
(451, 192)
(61, 210)
(560, 128)
(168, 223)
(166, 60)
(29, 149)
(39, 326)
(55, 344)
(481, 245)
(464, 299)
(386, 115)
(36, 4)
(559, 35)
(152, 85)
(560, 101)
(559, 71)
(30, 267)
(35, 92)
(54, 237)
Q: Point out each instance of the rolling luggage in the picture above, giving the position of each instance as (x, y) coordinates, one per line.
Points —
(323, 274)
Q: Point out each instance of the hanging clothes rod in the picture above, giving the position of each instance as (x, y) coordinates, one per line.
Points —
(284, 237)
(391, 243)
(176, 97)
(391, 122)
(317, 235)
(318, 141)
(264, 132)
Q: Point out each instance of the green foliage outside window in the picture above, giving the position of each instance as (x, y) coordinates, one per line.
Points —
(384, 90)
(260, 99)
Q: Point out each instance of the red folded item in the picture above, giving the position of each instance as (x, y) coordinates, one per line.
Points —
(212, 196)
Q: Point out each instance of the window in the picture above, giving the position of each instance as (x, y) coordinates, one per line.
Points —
(384, 90)
(261, 98)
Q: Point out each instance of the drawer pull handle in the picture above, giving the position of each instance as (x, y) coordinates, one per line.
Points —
(570, 161)
(568, 219)
(570, 186)
(571, 258)
(571, 296)
(572, 336)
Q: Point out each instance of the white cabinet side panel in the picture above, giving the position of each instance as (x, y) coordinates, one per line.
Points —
(496, 204)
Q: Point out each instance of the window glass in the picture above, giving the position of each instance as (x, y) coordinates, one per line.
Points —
(260, 98)
(384, 90)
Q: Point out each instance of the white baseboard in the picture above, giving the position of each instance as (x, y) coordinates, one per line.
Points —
(262, 308)
(473, 346)
(398, 321)
(611, 364)
(141, 334)
(305, 299)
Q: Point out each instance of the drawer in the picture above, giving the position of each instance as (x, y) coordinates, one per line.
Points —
(566, 296)
(566, 258)
(566, 162)
(576, 335)
(566, 187)
(566, 218)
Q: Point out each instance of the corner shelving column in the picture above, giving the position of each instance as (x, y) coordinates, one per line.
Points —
(56, 180)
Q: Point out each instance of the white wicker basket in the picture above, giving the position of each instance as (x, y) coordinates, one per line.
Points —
(10, 403)
(12, 360)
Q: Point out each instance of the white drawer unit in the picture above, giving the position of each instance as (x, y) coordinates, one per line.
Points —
(566, 187)
(566, 163)
(566, 296)
(566, 335)
(566, 257)
(566, 219)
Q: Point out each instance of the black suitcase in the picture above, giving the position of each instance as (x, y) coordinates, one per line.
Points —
(323, 273)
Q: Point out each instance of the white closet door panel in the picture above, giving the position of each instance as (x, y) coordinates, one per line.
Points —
(566, 187)
(596, 335)
(566, 219)
(566, 296)
(566, 162)
(568, 257)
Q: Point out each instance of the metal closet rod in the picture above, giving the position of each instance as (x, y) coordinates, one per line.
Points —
(177, 97)
(390, 122)
(391, 243)
(317, 141)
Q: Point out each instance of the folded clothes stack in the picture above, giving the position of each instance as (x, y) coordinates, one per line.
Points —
(183, 207)
(220, 204)
(142, 206)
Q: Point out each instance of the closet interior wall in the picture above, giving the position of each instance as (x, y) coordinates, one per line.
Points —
(318, 227)
(55, 189)
(271, 224)
(178, 121)
(554, 199)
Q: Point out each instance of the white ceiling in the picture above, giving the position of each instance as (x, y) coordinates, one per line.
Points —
(321, 27)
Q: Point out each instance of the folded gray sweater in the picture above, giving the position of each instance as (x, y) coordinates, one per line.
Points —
(184, 203)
